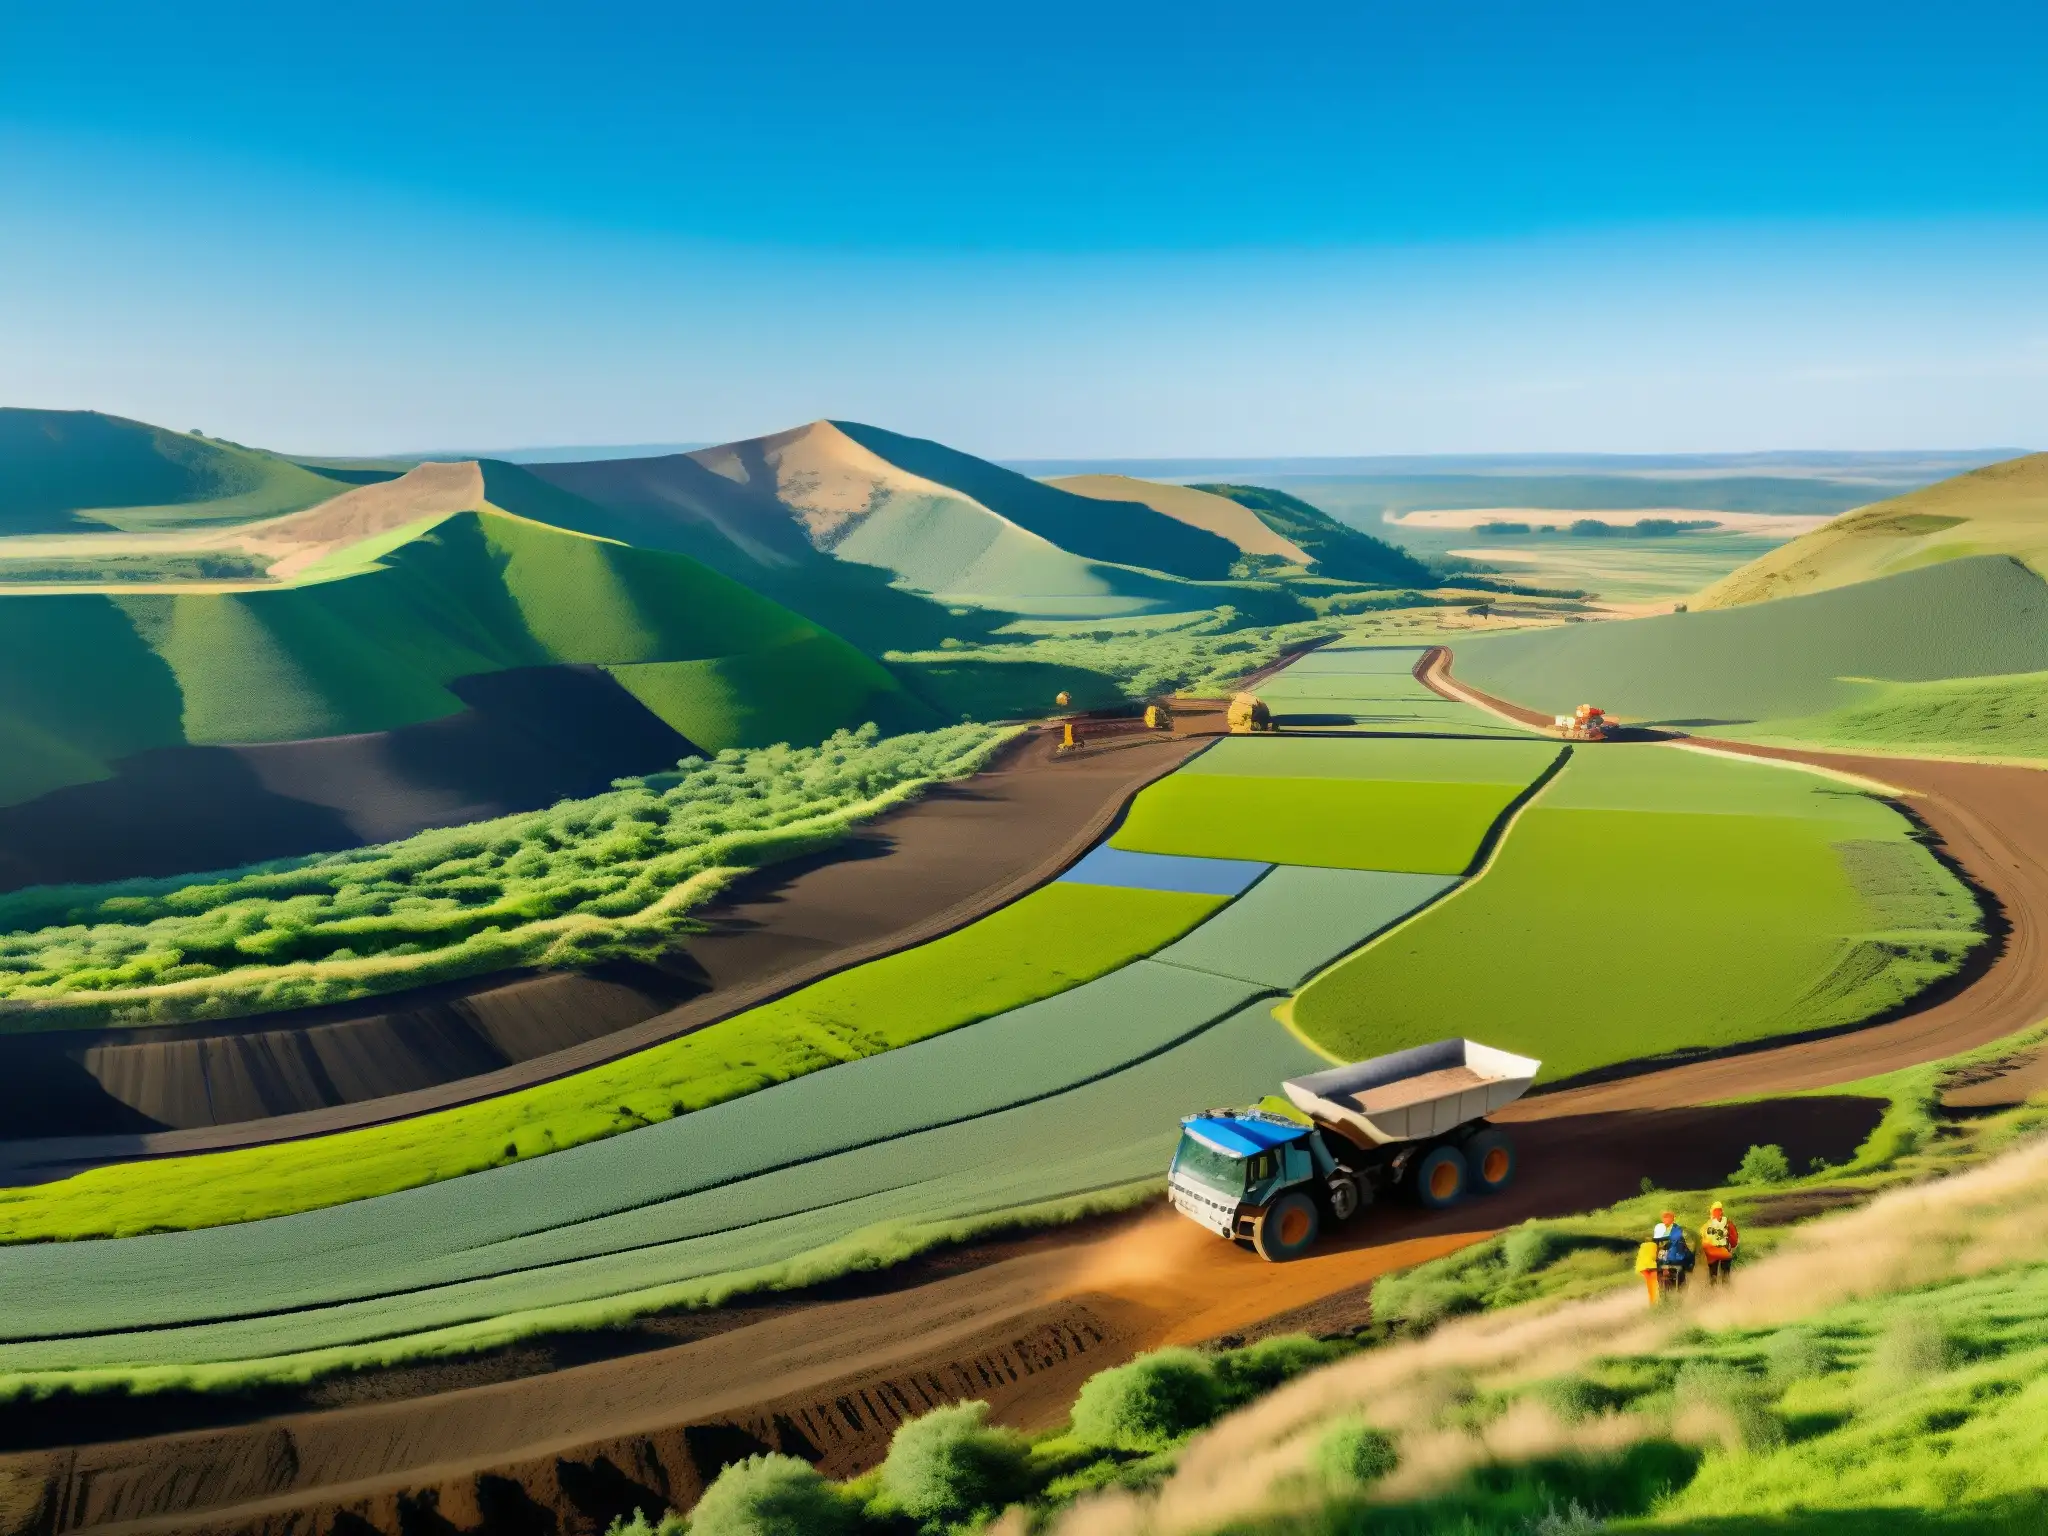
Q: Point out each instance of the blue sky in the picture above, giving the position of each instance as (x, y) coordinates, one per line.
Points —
(1055, 229)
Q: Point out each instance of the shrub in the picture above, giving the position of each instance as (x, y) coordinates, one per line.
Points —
(1795, 1355)
(1242, 1374)
(1719, 1391)
(670, 1524)
(1912, 1347)
(1150, 1403)
(1353, 1453)
(771, 1495)
(1575, 1399)
(1763, 1165)
(950, 1465)
(1528, 1249)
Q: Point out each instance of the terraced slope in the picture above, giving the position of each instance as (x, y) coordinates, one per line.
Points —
(2001, 509)
(71, 471)
(1766, 669)
(827, 515)
(1654, 900)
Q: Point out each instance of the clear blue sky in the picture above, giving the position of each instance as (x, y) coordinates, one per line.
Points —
(1045, 229)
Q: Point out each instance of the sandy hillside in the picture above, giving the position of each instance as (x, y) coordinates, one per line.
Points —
(1198, 509)
(1999, 509)
(291, 544)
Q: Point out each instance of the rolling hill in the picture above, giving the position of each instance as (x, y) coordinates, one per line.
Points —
(2001, 509)
(824, 514)
(1335, 548)
(479, 643)
(76, 471)
(1215, 514)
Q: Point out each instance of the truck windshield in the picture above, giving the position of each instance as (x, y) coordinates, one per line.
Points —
(1205, 1165)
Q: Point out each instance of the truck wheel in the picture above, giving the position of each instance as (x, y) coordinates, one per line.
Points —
(1440, 1178)
(1288, 1229)
(1491, 1158)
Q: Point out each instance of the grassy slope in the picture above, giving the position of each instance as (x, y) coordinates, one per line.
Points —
(478, 592)
(1184, 504)
(1052, 940)
(1795, 658)
(70, 471)
(1654, 900)
(2001, 509)
(1118, 532)
(1336, 549)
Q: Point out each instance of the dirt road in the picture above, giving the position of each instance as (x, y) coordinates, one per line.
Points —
(959, 852)
(568, 1449)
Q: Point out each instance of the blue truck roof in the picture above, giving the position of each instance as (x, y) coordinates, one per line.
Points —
(1241, 1138)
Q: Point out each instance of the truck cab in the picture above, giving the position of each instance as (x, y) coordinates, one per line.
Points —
(1246, 1175)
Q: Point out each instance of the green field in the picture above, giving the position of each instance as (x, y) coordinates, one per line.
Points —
(1743, 668)
(77, 471)
(1420, 828)
(1373, 690)
(92, 678)
(1653, 900)
(1074, 1095)
(1296, 921)
(1407, 758)
(1049, 942)
(1995, 717)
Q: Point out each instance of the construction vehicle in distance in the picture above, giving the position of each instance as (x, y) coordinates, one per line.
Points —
(1412, 1123)
(1588, 722)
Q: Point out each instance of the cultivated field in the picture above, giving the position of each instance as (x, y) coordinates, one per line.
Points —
(1653, 901)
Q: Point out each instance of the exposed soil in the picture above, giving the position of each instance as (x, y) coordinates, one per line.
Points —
(959, 852)
(569, 1450)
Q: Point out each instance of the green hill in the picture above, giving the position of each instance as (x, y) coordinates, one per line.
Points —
(88, 678)
(76, 471)
(1120, 532)
(884, 551)
(1812, 668)
(2001, 509)
(1337, 549)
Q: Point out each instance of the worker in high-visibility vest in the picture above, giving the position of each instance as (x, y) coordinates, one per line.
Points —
(1674, 1253)
(1718, 1241)
(1646, 1264)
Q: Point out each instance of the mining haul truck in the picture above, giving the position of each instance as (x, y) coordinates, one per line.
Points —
(1410, 1124)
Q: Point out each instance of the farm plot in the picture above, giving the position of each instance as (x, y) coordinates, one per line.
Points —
(1076, 1094)
(1419, 828)
(1408, 806)
(1296, 921)
(1654, 900)
(1052, 940)
(1370, 689)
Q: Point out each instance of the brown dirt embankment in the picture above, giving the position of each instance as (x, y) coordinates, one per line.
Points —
(918, 872)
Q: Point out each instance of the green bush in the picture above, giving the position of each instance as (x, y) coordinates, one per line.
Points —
(1913, 1346)
(670, 1524)
(1733, 1395)
(772, 1496)
(1795, 1354)
(1353, 1453)
(583, 881)
(1762, 1165)
(950, 1465)
(1243, 1374)
(1528, 1249)
(1150, 1403)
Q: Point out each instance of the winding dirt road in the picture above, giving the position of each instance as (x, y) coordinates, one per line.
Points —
(535, 1443)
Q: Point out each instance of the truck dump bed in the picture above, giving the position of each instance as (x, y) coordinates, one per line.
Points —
(1411, 1094)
